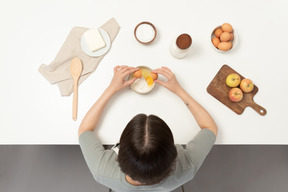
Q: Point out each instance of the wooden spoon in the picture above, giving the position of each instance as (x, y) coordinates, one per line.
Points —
(76, 70)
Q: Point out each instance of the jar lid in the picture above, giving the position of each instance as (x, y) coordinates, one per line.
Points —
(184, 41)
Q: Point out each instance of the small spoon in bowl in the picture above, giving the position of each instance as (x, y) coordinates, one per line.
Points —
(76, 68)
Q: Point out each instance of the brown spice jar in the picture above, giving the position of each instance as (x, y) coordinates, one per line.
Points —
(184, 41)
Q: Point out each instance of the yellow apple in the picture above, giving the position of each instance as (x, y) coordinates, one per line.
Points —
(246, 85)
(235, 94)
(233, 80)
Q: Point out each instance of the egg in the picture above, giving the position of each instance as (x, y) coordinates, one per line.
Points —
(225, 46)
(215, 41)
(138, 74)
(154, 76)
(225, 36)
(218, 32)
(232, 36)
(227, 27)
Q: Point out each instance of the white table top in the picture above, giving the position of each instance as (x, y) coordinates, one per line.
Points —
(32, 32)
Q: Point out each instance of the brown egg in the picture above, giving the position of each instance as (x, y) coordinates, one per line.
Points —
(225, 46)
(138, 74)
(227, 27)
(218, 32)
(216, 41)
(154, 76)
(232, 36)
(225, 36)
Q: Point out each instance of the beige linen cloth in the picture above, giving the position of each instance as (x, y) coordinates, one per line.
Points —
(59, 70)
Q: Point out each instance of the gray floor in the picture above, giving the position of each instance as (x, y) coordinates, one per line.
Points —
(63, 169)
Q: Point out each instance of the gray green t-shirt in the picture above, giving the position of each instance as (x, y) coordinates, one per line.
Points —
(105, 170)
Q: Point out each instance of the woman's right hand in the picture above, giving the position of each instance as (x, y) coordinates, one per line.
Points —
(171, 84)
(118, 81)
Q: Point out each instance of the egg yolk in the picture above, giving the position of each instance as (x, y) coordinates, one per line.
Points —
(149, 80)
(147, 76)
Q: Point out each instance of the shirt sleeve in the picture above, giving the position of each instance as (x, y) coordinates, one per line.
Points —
(92, 150)
(198, 148)
(101, 162)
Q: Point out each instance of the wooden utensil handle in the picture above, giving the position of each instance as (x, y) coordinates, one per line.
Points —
(75, 101)
(259, 109)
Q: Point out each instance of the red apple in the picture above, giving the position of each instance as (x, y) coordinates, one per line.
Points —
(246, 85)
(235, 94)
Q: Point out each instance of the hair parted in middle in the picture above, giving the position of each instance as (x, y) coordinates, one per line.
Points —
(147, 152)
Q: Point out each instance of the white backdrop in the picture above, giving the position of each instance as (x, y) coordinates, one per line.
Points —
(32, 32)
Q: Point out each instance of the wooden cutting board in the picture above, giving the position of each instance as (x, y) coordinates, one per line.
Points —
(218, 89)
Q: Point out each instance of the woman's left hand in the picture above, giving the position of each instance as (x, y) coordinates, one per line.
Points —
(118, 81)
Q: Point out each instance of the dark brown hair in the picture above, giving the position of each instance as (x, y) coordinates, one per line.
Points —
(147, 152)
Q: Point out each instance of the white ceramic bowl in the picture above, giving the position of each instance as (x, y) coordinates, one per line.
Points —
(234, 41)
(139, 84)
(151, 39)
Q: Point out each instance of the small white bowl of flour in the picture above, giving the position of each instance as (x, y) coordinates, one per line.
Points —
(145, 32)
